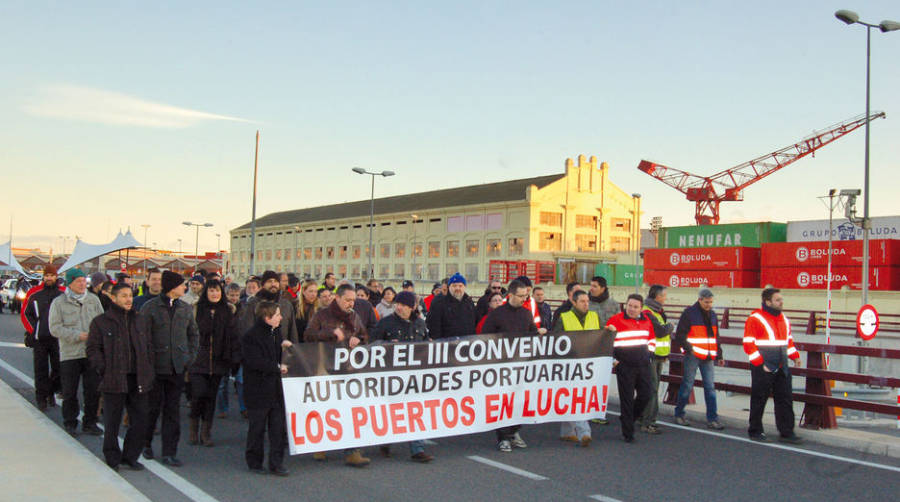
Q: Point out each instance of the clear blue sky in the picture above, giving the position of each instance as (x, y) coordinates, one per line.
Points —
(100, 127)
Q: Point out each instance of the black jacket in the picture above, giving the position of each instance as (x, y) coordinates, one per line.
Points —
(36, 313)
(565, 307)
(220, 344)
(546, 315)
(172, 328)
(482, 306)
(366, 313)
(506, 319)
(261, 359)
(117, 347)
(392, 328)
(288, 329)
(449, 317)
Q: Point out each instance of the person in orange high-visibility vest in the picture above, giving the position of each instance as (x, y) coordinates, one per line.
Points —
(698, 336)
(632, 347)
(769, 344)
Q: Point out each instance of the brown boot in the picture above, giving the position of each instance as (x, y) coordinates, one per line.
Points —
(194, 431)
(355, 459)
(206, 434)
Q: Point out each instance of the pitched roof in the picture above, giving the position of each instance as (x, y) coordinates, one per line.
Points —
(463, 196)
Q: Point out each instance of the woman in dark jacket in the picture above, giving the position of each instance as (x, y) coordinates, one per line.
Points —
(219, 351)
(261, 347)
(122, 355)
(308, 305)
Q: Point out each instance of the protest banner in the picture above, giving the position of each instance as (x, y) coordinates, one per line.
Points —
(337, 397)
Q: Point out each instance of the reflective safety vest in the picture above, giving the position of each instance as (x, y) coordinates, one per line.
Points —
(571, 323)
(704, 345)
(765, 332)
(663, 344)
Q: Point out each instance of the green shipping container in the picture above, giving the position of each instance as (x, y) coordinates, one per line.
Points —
(607, 271)
(719, 236)
(625, 275)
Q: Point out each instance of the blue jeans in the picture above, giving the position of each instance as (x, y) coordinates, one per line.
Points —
(222, 396)
(707, 374)
(417, 446)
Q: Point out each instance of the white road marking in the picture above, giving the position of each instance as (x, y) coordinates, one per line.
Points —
(187, 488)
(11, 344)
(778, 446)
(603, 498)
(507, 468)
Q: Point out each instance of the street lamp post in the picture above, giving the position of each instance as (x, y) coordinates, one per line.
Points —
(412, 272)
(359, 170)
(146, 226)
(296, 249)
(196, 238)
(851, 17)
(636, 197)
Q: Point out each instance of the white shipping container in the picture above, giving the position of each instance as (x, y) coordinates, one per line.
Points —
(883, 227)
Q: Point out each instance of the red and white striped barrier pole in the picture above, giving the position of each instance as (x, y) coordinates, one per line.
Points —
(898, 404)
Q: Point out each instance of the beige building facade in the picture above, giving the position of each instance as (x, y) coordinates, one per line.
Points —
(578, 215)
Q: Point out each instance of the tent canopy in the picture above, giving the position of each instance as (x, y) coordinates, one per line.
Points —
(7, 257)
(84, 252)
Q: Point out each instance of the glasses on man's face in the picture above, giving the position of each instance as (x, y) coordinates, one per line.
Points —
(496, 288)
(522, 296)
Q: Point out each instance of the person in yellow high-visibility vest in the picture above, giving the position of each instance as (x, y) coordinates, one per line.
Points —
(579, 318)
(662, 330)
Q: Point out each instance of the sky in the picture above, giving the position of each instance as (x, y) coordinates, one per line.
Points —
(115, 115)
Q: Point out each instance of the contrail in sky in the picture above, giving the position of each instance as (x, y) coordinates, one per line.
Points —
(108, 107)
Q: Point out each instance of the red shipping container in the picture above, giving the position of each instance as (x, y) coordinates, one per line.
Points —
(843, 253)
(880, 278)
(697, 278)
(733, 258)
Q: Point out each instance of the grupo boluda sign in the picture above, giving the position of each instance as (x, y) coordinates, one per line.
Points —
(336, 397)
(883, 227)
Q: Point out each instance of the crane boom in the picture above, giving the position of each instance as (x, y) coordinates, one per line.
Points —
(728, 185)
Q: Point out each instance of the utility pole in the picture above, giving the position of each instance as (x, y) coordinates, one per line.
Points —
(253, 218)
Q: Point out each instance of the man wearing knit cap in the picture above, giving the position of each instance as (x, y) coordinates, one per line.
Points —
(196, 286)
(70, 320)
(271, 291)
(171, 325)
(36, 319)
(452, 315)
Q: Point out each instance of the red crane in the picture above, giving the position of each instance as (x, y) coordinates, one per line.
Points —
(709, 191)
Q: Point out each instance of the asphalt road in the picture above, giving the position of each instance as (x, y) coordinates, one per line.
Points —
(681, 464)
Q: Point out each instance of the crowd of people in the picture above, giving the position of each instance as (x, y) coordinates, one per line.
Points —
(138, 348)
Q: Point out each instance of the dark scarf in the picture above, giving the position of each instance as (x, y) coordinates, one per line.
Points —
(770, 310)
(654, 305)
(602, 298)
(344, 317)
(264, 294)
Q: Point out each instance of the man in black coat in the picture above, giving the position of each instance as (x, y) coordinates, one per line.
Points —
(45, 347)
(171, 325)
(122, 355)
(453, 314)
(511, 317)
(263, 394)
(482, 306)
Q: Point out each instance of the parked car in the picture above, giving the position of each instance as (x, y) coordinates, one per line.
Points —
(13, 293)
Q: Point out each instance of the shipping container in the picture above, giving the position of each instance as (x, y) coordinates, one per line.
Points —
(719, 236)
(733, 258)
(607, 271)
(697, 278)
(624, 275)
(814, 277)
(843, 253)
(842, 229)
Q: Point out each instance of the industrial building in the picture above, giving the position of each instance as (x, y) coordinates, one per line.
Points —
(578, 218)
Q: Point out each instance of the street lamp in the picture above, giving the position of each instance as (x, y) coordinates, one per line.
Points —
(196, 237)
(146, 226)
(851, 17)
(296, 249)
(413, 247)
(636, 198)
(359, 170)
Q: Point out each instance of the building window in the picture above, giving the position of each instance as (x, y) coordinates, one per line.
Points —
(268, 255)
(621, 224)
(550, 219)
(417, 271)
(277, 254)
(585, 242)
(355, 271)
(471, 271)
(434, 271)
(384, 271)
(434, 249)
(586, 221)
(318, 269)
(494, 248)
(452, 249)
(471, 248)
(399, 271)
(385, 251)
(370, 252)
(307, 270)
(307, 253)
(417, 249)
(356, 251)
(278, 268)
(620, 244)
(329, 252)
(318, 255)
(516, 245)
(450, 269)
(550, 241)
(299, 253)
(342, 252)
(400, 249)
(342, 270)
